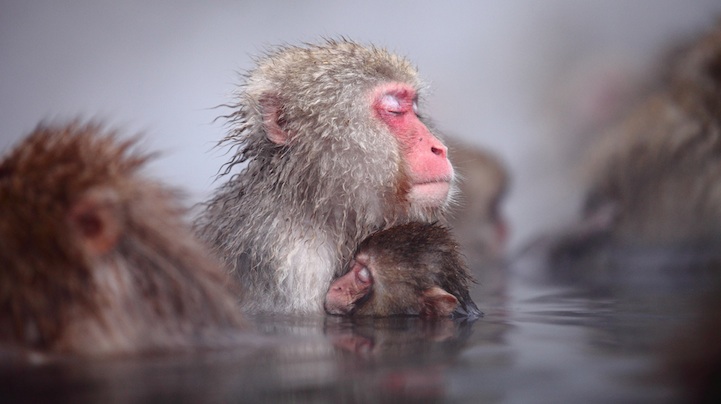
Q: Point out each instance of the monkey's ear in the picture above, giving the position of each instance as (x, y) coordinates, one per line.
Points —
(95, 219)
(438, 303)
(273, 122)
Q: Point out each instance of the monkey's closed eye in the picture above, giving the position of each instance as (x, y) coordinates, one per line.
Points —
(391, 104)
(364, 276)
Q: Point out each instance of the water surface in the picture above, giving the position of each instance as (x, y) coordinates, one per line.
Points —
(543, 339)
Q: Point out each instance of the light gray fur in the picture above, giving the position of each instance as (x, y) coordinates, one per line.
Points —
(290, 220)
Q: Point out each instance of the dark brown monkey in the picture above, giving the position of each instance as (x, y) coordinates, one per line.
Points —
(410, 269)
(335, 150)
(656, 179)
(478, 222)
(95, 258)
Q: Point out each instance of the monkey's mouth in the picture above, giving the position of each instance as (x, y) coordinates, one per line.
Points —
(430, 193)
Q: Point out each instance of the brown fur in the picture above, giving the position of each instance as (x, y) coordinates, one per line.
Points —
(95, 258)
(659, 172)
(414, 267)
(478, 221)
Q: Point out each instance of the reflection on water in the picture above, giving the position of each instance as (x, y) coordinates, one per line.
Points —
(542, 339)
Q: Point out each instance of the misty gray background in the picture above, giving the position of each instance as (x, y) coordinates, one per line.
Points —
(530, 80)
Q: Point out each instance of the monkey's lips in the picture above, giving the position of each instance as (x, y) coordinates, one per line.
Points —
(430, 193)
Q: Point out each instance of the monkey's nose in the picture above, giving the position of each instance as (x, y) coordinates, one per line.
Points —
(437, 147)
(438, 151)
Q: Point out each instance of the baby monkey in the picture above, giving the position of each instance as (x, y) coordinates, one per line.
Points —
(411, 269)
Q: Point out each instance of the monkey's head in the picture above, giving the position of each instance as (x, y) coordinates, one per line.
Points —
(340, 122)
(81, 231)
(412, 269)
(61, 190)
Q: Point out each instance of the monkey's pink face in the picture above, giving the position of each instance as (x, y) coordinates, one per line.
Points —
(345, 292)
(429, 171)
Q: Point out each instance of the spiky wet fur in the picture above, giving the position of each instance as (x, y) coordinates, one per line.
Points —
(288, 222)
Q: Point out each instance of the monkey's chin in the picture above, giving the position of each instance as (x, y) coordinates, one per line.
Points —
(430, 194)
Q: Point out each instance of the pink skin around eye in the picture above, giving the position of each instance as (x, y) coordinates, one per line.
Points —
(430, 172)
(391, 103)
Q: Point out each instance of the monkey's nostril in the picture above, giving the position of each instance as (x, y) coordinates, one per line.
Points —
(436, 151)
